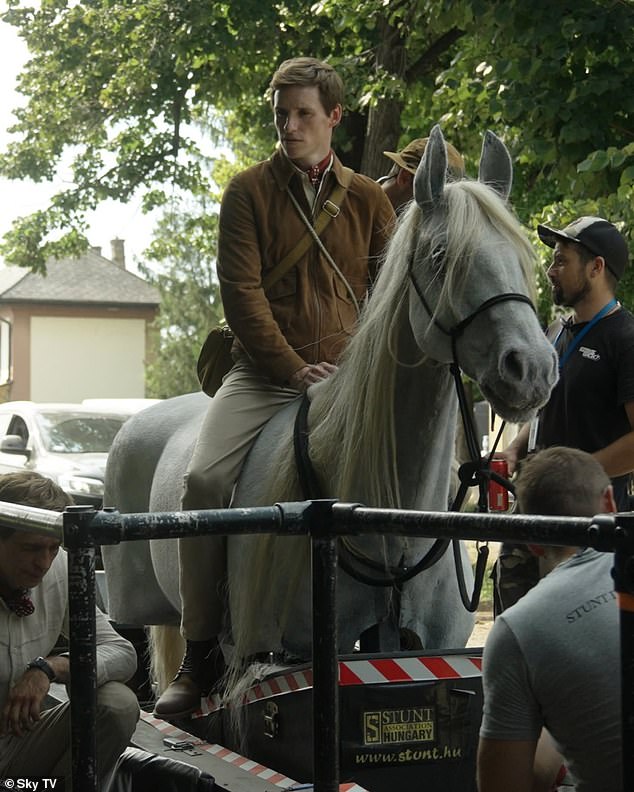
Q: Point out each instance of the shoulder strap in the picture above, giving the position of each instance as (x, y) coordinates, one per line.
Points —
(330, 209)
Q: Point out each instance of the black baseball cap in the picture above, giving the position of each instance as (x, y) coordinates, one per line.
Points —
(598, 235)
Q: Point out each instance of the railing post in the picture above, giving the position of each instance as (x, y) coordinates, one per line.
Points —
(82, 647)
(624, 586)
(325, 649)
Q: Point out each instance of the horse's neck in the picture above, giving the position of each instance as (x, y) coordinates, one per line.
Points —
(425, 418)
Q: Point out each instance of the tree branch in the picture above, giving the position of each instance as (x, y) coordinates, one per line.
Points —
(429, 59)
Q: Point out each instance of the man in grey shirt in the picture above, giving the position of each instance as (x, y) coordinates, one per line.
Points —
(551, 667)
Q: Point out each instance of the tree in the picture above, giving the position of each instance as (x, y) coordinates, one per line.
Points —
(561, 96)
(183, 269)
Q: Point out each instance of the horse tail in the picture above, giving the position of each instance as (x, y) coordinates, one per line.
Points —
(166, 647)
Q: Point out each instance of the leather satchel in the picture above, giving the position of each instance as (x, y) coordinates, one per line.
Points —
(215, 360)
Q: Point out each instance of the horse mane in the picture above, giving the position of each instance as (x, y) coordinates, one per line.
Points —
(353, 411)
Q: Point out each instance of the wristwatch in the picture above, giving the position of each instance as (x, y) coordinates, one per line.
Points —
(43, 665)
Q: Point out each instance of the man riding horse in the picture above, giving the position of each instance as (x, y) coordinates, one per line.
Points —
(289, 333)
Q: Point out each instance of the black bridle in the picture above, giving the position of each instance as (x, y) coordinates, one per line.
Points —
(457, 330)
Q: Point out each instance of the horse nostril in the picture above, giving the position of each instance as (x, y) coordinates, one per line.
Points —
(512, 366)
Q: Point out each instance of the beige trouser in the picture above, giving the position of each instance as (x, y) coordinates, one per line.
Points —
(236, 414)
(45, 752)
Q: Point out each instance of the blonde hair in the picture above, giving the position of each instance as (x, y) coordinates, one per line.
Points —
(356, 410)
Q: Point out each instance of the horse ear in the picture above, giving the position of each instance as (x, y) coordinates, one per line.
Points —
(429, 181)
(496, 168)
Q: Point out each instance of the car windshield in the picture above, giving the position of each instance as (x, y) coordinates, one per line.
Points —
(78, 433)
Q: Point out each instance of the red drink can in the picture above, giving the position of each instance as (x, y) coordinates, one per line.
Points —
(498, 495)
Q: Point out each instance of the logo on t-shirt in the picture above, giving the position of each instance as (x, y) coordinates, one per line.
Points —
(589, 354)
(590, 605)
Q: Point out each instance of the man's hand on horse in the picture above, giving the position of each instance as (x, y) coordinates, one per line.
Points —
(308, 375)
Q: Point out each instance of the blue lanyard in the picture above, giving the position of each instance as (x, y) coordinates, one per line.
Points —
(577, 339)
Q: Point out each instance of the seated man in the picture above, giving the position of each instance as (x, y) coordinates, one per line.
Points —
(551, 661)
(33, 614)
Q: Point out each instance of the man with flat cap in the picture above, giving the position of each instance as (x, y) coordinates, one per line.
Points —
(592, 405)
(398, 184)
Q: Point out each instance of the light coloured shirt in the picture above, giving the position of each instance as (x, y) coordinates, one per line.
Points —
(553, 660)
(24, 638)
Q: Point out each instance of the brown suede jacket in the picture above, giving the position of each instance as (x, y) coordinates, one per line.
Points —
(307, 316)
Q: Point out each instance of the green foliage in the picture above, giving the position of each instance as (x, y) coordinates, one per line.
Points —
(182, 258)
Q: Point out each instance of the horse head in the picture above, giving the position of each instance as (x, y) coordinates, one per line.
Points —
(471, 271)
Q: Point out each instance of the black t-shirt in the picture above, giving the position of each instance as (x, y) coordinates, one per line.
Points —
(586, 408)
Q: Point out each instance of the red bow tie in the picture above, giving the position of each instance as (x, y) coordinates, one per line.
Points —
(20, 603)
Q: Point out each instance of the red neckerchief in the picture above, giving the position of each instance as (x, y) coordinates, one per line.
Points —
(315, 172)
(20, 603)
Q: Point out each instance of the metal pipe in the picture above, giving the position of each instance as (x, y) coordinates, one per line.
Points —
(624, 586)
(110, 527)
(326, 520)
(29, 518)
(82, 646)
(325, 650)
(597, 532)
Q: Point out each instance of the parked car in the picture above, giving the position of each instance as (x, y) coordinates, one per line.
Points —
(67, 442)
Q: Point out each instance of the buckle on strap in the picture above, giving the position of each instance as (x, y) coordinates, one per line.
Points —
(331, 208)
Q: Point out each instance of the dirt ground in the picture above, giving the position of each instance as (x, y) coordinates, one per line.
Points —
(484, 620)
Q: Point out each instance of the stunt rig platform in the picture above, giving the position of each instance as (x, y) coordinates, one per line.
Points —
(406, 721)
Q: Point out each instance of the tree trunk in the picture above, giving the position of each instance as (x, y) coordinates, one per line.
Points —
(384, 118)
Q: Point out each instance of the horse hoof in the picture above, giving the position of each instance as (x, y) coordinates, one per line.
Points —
(179, 699)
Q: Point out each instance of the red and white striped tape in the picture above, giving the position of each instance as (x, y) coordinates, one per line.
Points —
(361, 672)
(408, 669)
(235, 759)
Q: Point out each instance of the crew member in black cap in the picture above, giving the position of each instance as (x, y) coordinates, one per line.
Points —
(592, 405)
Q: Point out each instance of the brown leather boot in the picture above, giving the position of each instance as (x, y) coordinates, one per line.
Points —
(200, 671)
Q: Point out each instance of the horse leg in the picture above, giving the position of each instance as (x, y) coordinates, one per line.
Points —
(384, 636)
(381, 637)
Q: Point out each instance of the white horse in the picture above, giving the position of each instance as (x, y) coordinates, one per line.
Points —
(456, 283)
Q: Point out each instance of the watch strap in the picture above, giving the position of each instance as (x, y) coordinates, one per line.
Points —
(42, 664)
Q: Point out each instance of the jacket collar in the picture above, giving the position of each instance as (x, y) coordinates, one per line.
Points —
(283, 169)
